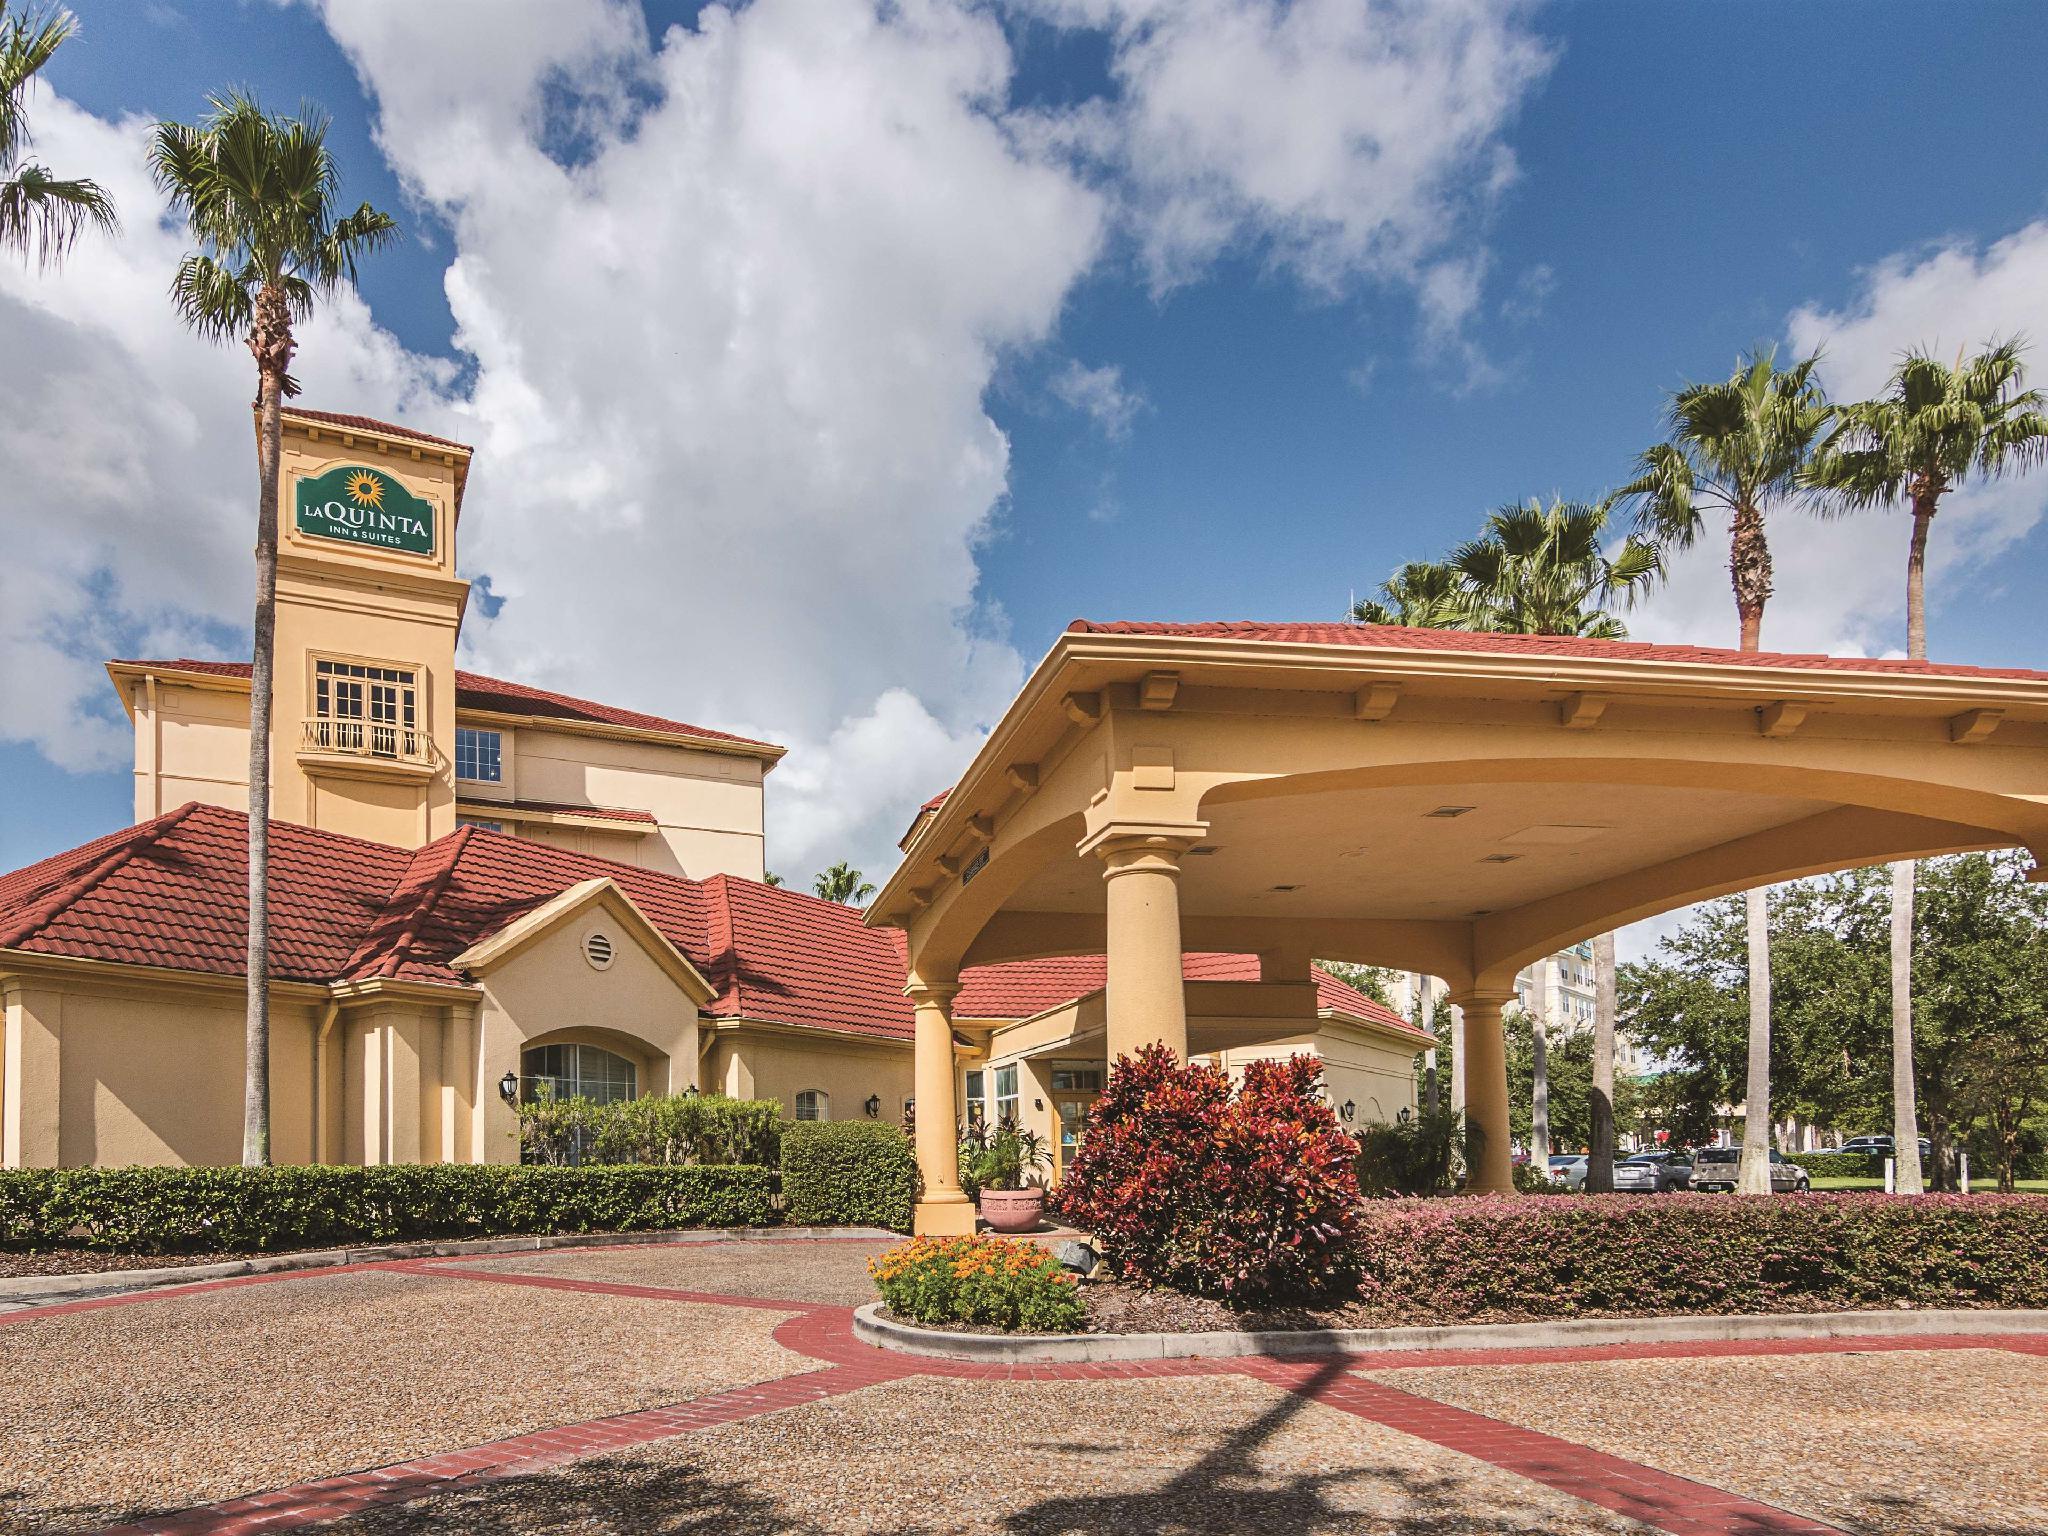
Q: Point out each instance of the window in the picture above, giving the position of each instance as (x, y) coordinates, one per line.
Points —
(578, 1071)
(479, 755)
(814, 1104)
(480, 821)
(977, 1103)
(1076, 1077)
(365, 709)
(1006, 1095)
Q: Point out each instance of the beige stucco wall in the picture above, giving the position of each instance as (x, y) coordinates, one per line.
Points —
(1364, 1069)
(547, 992)
(112, 1073)
(708, 805)
(762, 1063)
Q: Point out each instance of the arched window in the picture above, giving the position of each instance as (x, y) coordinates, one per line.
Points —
(814, 1104)
(578, 1071)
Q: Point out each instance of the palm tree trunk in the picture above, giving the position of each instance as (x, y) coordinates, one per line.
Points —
(1749, 570)
(270, 339)
(1907, 1177)
(1600, 1166)
(1755, 1176)
(1539, 1115)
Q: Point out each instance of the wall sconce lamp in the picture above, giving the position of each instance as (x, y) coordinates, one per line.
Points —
(1349, 1111)
(690, 1092)
(873, 1106)
(508, 1087)
(1405, 1114)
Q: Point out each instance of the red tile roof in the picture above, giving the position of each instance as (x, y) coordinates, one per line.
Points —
(1024, 987)
(475, 691)
(173, 893)
(1394, 637)
(371, 424)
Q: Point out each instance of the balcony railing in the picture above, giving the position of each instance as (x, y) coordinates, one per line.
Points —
(367, 739)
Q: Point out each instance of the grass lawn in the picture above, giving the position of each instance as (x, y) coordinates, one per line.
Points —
(1978, 1186)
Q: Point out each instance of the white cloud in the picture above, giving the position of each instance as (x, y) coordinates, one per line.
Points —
(1348, 138)
(1100, 395)
(1841, 583)
(727, 305)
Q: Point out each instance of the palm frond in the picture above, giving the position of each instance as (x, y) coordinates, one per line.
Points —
(41, 216)
(27, 43)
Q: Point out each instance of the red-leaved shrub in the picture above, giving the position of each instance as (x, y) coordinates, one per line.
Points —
(1247, 1195)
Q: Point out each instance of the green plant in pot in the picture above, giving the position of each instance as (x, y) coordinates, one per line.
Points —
(1001, 1167)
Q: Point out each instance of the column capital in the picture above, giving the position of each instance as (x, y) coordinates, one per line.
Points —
(1165, 841)
(1473, 997)
(940, 993)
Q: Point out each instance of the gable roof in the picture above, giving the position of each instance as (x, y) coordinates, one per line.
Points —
(1396, 637)
(173, 893)
(350, 423)
(474, 691)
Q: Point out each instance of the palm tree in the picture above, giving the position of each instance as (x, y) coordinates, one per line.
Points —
(1738, 447)
(842, 883)
(258, 195)
(1420, 595)
(1934, 427)
(1537, 570)
(39, 213)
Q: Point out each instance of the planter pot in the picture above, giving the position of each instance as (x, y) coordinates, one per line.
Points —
(1013, 1210)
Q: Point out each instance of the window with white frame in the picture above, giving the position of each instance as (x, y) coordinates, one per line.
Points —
(1006, 1095)
(362, 708)
(814, 1104)
(479, 755)
(480, 821)
(977, 1097)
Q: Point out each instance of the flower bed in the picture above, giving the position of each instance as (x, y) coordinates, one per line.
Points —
(1516, 1259)
(1004, 1283)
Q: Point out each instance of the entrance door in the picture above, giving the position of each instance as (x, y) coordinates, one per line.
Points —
(1075, 1087)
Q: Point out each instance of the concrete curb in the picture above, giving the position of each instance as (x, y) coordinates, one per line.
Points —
(871, 1327)
(25, 1289)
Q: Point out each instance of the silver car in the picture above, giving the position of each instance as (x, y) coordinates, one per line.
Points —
(1720, 1168)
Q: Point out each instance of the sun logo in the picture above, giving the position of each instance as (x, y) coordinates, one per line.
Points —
(365, 489)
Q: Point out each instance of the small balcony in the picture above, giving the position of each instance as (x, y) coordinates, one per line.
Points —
(346, 748)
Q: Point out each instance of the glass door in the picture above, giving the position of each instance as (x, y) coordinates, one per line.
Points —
(1076, 1085)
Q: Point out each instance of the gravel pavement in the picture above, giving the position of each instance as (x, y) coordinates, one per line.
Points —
(1911, 1443)
(1215, 1456)
(183, 1400)
(833, 1272)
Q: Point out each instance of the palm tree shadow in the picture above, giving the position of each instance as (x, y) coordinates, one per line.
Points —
(1227, 1492)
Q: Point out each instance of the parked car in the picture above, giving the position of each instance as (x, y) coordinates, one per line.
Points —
(1652, 1173)
(1570, 1171)
(1720, 1167)
(1881, 1146)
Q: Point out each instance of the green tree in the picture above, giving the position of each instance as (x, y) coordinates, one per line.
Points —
(1420, 595)
(1933, 429)
(1737, 448)
(257, 193)
(843, 883)
(1537, 570)
(41, 214)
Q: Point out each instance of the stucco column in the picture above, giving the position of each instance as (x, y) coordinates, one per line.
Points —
(942, 1210)
(1147, 1000)
(1486, 1092)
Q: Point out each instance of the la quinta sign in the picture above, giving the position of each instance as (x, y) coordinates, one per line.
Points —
(360, 505)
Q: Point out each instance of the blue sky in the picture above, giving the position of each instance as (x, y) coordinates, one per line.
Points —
(1285, 412)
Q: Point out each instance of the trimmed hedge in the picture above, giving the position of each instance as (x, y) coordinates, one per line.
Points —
(244, 1210)
(848, 1173)
(1505, 1258)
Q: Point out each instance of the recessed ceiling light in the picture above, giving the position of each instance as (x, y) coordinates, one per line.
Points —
(1448, 811)
(1203, 852)
(1500, 858)
(1285, 887)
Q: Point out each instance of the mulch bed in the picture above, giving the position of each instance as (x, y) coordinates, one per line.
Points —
(84, 1261)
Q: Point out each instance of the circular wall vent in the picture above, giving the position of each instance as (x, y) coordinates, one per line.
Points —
(597, 949)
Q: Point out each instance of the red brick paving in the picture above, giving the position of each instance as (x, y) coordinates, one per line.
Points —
(1673, 1504)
